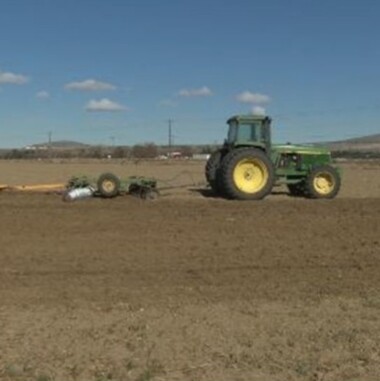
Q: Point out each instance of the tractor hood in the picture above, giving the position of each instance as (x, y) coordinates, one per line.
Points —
(300, 149)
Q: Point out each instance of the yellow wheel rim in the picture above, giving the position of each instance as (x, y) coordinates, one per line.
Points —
(108, 186)
(250, 175)
(323, 183)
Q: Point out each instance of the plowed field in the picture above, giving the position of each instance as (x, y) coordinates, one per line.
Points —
(188, 287)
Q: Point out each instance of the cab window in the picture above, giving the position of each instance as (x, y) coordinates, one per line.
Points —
(249, 132)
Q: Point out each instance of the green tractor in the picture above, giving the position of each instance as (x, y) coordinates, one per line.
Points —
(248, 166)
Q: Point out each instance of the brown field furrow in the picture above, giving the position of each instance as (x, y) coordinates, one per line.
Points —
(188, 287)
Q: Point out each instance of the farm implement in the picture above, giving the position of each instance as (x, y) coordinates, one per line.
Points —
(33, 188)
(107, 185)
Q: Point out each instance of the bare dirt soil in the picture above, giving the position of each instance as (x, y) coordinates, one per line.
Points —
(188, 287)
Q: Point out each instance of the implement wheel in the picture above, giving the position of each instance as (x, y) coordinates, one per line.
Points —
(108, 185)
(246, 174)
(149, 194)
(323, 182)
(211, 170)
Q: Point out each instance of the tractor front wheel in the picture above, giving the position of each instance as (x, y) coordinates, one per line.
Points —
(108, 185)
(323, 182)
(246, 174)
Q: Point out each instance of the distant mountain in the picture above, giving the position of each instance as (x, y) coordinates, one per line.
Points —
(61, 144)
(364, 143)
(369, 139)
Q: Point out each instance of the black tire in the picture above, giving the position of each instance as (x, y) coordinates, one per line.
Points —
(252, 181)
(297, 190)
(65, 196)
(108, 185)
(149, 194)
(211, 170)
(323, 182)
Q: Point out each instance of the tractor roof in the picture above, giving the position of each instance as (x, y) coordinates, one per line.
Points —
(248, 118)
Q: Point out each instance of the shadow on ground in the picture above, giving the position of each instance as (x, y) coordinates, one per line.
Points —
(209, 193)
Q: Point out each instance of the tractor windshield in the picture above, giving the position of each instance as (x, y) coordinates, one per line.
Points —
(244, 132)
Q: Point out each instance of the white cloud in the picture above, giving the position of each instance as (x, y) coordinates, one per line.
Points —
(104, 105)
(89, 85)
(42, 94)
(12, 78)
(258, 110)
(201, 92)
(252, 98)
(168, 103)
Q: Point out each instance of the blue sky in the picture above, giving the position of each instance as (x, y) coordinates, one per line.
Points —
(102, 71)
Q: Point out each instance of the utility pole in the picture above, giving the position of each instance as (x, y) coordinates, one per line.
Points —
(50, 133)
(170, 135)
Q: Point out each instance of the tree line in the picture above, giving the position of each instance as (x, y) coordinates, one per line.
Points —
(141, 151)
(138, 151)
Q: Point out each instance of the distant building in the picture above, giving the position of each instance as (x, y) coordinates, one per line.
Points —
(201, 156)
(174, 155)
(35, 148)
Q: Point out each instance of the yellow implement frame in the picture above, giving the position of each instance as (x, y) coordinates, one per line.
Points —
(33, 188)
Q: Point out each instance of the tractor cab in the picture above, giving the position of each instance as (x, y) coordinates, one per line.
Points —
(249, 131)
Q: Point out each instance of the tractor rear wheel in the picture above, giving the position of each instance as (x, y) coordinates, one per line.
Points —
(211, 170)
(108, 185)
(246, 174)
(323, 182)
